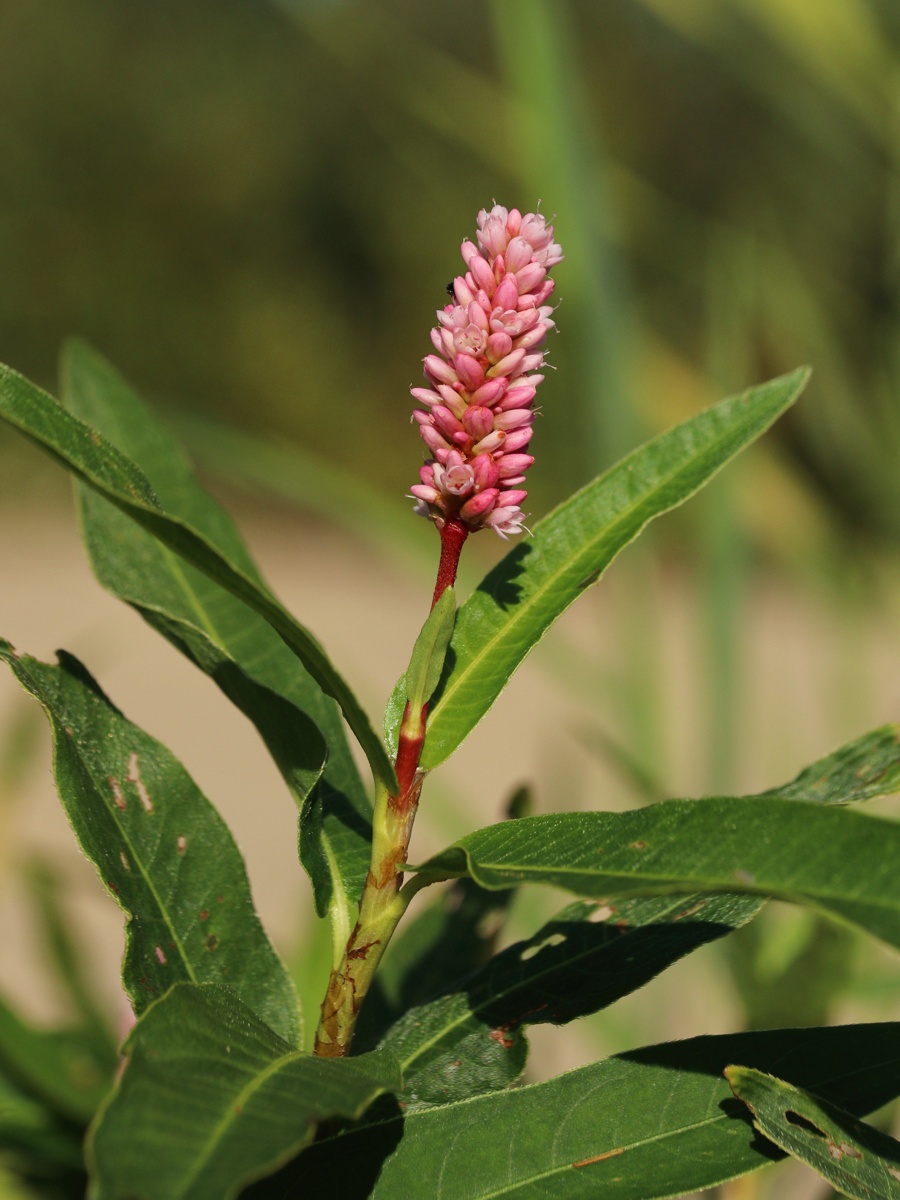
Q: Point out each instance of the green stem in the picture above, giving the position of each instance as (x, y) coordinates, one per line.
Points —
(382, 904)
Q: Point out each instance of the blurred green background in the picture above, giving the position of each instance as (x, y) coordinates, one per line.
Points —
(253, 208)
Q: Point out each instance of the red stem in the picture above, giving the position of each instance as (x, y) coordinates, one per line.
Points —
(409, 749)
(453, 535)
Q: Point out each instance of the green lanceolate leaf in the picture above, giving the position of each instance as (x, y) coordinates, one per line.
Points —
(856, 1159)
(428, 654)
(590, 955)
(866, 767)
(655, 1122)
(159, 847)
(212, 1098)
(520, 598)
(234, 646)
(835, 860)
(97, 463)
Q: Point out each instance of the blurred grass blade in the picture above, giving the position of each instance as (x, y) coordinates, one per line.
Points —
(57, 1068)
(856, 1159)
(537, 581)
(66, 957)
(94, 461)
(212, 1098)
(159, 847)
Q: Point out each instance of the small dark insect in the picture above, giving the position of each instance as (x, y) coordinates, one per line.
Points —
(450, 288)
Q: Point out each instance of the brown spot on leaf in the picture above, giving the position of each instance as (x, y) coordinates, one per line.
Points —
(118, 797)
(212, 942)
(134, 776)
(637, 846)
(689, 912)
(181, 844)
(602, 913)
(204, 913)
(586, 1162)
(845, 1149)
(500, 1035)
(125, 863)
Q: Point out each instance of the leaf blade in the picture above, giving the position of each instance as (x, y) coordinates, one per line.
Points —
(160, 849)
(833, 859)
(589, 955)
(212, 1098)
(855, 1158)
(518, 601)
(234, 646)
(652, 1123)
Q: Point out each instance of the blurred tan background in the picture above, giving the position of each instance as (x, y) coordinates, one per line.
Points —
(253, 209)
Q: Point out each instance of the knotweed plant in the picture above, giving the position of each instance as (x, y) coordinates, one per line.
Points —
(402, 1085)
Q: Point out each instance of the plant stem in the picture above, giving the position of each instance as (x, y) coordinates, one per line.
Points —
(382, 904)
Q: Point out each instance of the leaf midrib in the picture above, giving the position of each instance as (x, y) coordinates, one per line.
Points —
(714, 884)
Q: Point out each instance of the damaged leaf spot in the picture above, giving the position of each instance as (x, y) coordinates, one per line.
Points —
(637, 846)
(212, 942)
(844, 1149)
(795, 1118)
(181, 844)
(124, 857)
(602, 913)
(118, 797)
(204, 913)
(586, 1162)
(745, 877)
(160, 955)
(894, 1172)
(500, 1035)
(555, 939)
(134, 776)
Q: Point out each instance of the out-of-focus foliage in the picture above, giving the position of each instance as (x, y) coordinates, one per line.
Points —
(246, 205)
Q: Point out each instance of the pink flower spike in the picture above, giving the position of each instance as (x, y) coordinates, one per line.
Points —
(512, 418)
(490, 392)
(498, 346)
(507, 294)
(482, 274)
(469, 370)
(517, 440)
(477, 417)
(513, 464)
(439, 371)
(479, 505)
(509, 365)
(424, 396)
